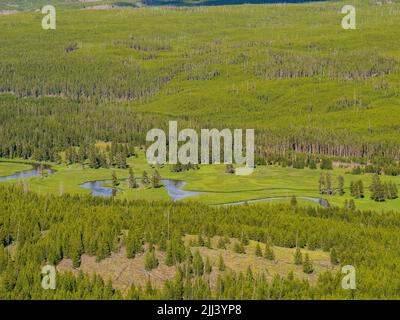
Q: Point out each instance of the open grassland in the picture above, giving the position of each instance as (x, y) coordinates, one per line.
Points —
(218, 186)
(9, 168)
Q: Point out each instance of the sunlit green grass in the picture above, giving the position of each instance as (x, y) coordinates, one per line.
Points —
(218, 186)
(7, 168)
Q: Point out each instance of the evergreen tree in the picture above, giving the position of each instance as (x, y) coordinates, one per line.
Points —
(353, 189)
(360, 189)
(377, 189)
(229, 169)
(333, 257)
(340, 189)
(269, 253)
(132, 180)
(169, 257)
(208, 267)
(221, 243)
(221, 263)
(239, 248)
(307, 265)
(200, 240)
(311, 164)
(146, 180)
(121, 160)
(258, 250)
(298, 257)
(133, 242)
(352, 205)
(326, 164)
(198, 265)
(322, 184)
(115, 182)
(156, 179)
(329, 187)
(151, 261)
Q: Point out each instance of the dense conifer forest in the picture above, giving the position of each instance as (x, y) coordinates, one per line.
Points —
(36, 230)
(77, 102)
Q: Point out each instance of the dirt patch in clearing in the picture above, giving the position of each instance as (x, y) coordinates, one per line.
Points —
(121, 270)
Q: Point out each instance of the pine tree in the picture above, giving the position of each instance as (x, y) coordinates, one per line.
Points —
(132, 180)
(114, 178)
(229, 169)
(169, 257)
(239, 248)
(244, 239)
(258, 250)
(146, 180)
(311, 164)
(156, 179)
(208, 242)
(221, 243)
(221, 263)
(200, 240)
(307, 265)
(198, 265)
(352, 189)
(333, 257)
(322, 184)
(3, 258)
(121, 160)
(326, 164)
(377, 189)
(329, 188)
(298, 257)
(360, 189)
(133, 242)
(269, 253)
(340, 189)
(395, 191)
(208, 267)
(151, 262)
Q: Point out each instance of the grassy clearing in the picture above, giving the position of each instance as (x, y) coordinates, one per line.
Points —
(123, 271)
(8, 168)
(220, 187)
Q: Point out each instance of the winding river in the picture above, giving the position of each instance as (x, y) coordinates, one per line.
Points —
(173, 187)
(36, 171)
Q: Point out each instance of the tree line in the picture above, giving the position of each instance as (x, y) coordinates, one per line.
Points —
(46, 229)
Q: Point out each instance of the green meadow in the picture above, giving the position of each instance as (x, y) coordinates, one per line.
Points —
(218, 186)
(288, 71)
(9, 168)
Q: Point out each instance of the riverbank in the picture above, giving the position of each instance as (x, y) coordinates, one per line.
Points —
(211, 185)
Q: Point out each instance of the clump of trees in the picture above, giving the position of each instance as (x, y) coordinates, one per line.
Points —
(325, 184)
(357, 189)
(184, 167)
(381, 191)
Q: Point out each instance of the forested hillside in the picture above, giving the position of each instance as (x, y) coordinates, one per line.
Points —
(289, 71)
(78, 193)
(38, 230)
